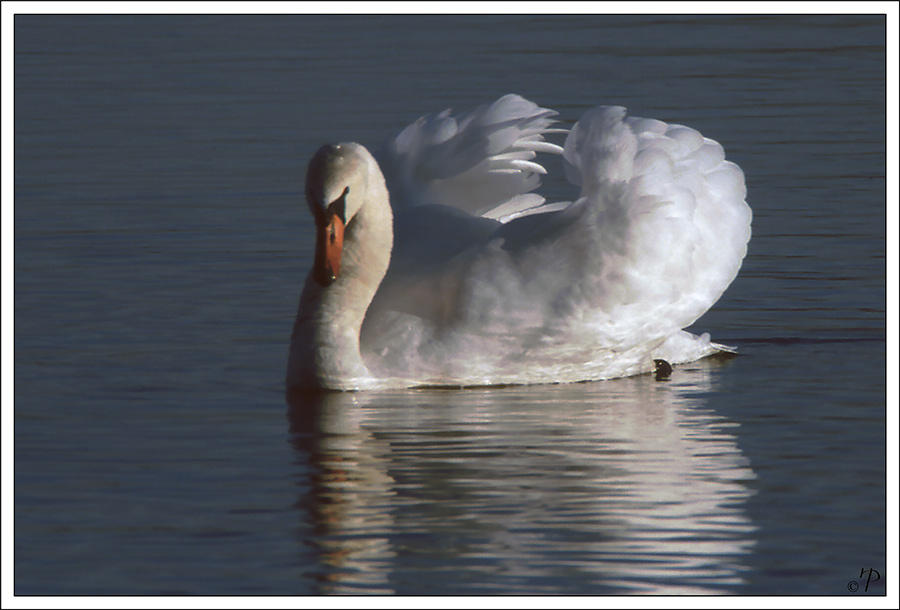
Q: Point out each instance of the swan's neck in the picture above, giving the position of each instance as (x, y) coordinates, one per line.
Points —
(325, 351)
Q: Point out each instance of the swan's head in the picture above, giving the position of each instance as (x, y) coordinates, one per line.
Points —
(337, 183)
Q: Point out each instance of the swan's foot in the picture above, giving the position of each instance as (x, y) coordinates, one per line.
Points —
(662, 369)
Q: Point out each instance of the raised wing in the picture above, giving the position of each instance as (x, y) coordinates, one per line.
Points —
(482, 163)
(590, 290)
(658, 233)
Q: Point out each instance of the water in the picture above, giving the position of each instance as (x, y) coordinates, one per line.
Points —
(161, 242)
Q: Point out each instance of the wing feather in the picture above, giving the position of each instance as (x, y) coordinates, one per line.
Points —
(474, 162)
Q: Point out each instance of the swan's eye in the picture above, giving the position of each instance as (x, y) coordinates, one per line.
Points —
(339, 206)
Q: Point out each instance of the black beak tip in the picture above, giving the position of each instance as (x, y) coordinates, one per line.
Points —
(324, 278)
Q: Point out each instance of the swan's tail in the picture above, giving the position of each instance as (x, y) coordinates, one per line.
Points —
(482, 162)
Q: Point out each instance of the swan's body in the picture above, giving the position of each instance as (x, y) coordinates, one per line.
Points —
(452, 271)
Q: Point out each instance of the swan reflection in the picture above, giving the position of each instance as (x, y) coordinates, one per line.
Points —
(626, 486)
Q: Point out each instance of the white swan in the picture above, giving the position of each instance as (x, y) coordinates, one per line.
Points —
(437, 264)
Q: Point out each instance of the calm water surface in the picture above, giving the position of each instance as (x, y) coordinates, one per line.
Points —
(161, 243)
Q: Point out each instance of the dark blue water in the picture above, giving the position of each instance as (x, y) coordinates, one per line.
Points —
(160, 246)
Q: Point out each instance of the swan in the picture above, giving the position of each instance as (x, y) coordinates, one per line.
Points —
(438, 264)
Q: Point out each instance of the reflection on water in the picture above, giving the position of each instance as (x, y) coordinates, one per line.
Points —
(346, 496)
(631, 485)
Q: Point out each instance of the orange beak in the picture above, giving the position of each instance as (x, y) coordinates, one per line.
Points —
(329, 247)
